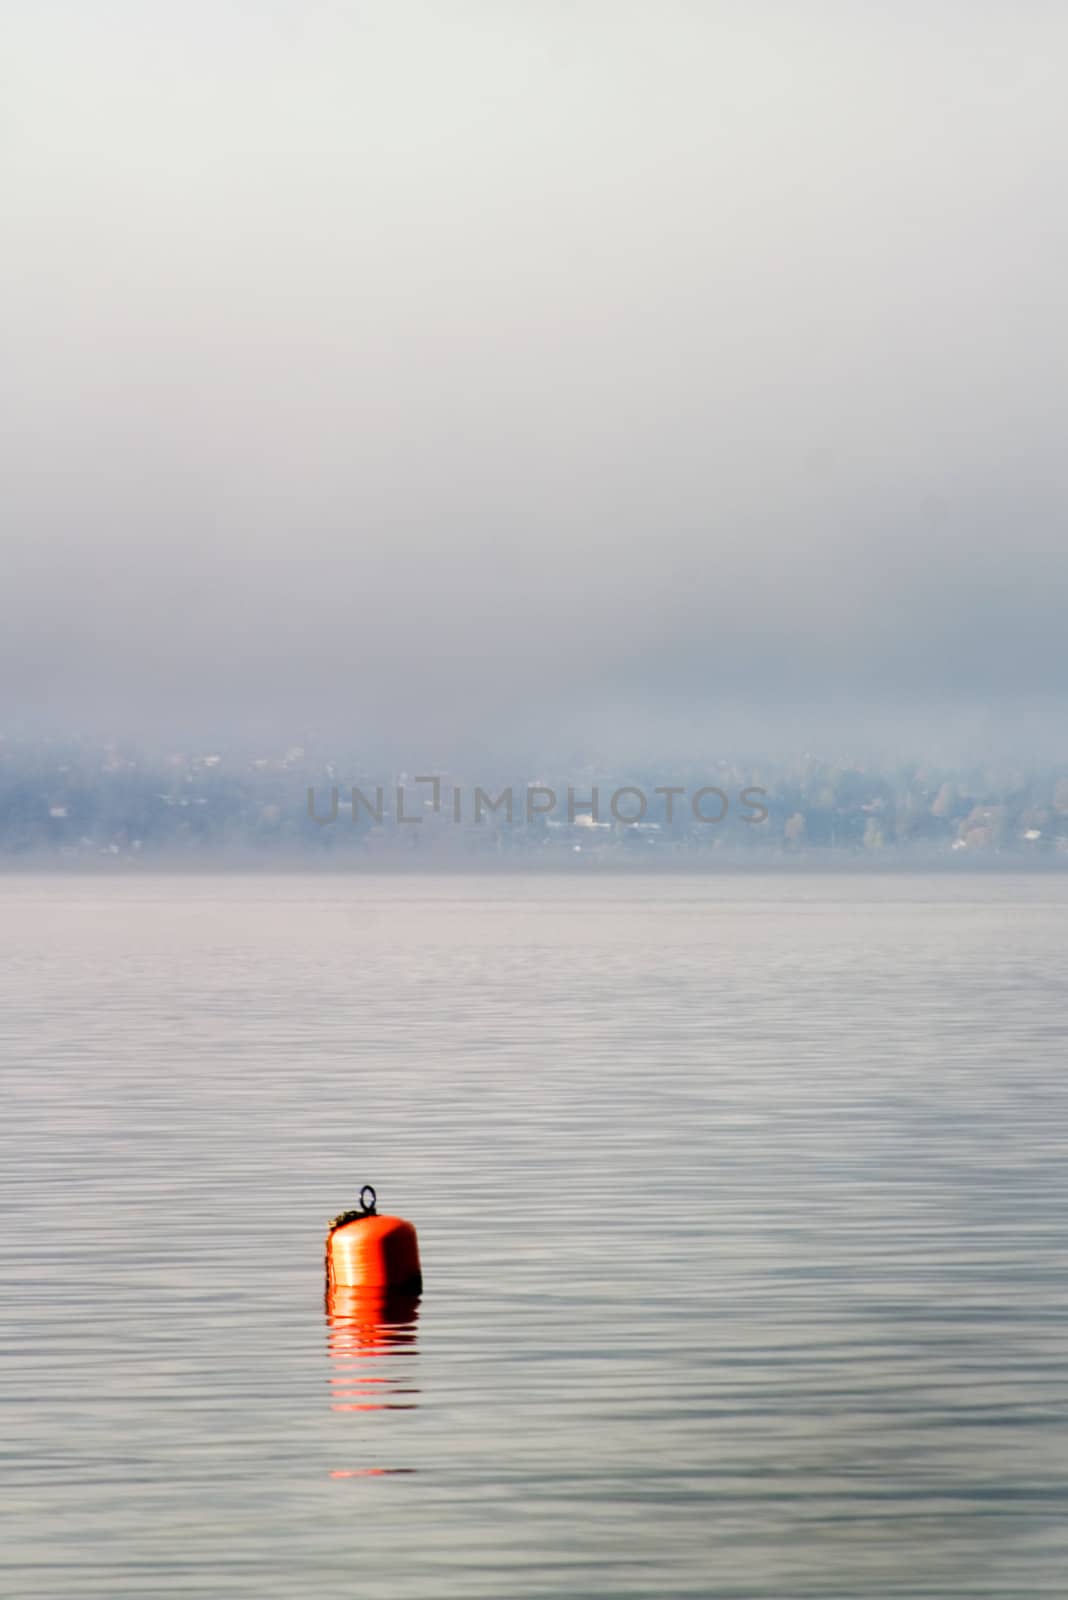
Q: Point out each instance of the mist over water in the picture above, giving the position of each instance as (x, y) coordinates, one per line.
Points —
(741, 1211)
(598, 378)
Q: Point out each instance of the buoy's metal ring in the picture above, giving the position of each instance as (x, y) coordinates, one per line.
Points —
(366, 1208)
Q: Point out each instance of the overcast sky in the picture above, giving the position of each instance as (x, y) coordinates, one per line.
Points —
(499, 371)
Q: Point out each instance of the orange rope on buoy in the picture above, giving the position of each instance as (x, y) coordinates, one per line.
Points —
(368, 1251)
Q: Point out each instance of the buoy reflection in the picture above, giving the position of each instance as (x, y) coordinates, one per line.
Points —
(369, 1333)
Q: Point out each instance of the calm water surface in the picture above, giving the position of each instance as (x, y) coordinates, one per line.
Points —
(744, 1221)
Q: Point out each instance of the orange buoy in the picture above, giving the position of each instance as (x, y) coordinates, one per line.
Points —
(368, 1251)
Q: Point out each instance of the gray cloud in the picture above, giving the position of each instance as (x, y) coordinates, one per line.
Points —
(488, 371)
